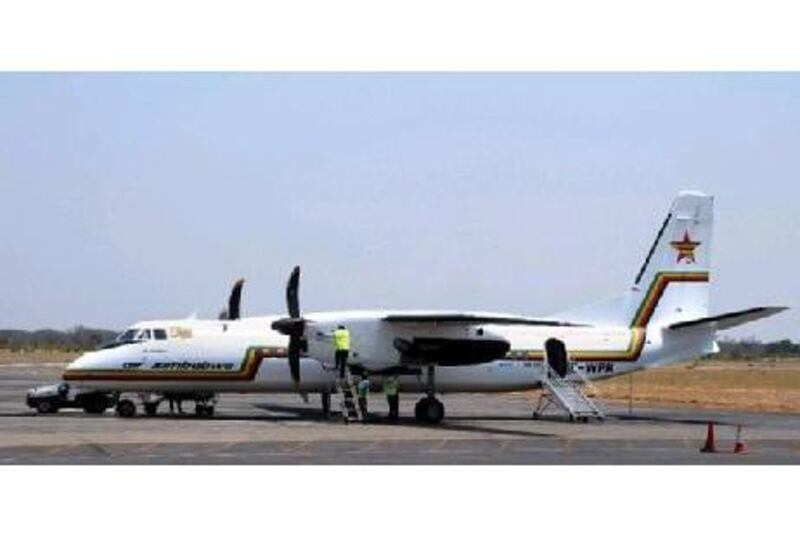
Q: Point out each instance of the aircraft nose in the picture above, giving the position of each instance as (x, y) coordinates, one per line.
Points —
(83, 361)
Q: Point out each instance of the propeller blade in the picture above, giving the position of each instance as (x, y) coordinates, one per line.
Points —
(294, 326)
(292, 293)
(294, 360)
(234, 301)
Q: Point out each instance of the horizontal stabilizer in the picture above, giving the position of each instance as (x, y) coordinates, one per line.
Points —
(474, 318)
(731, 320)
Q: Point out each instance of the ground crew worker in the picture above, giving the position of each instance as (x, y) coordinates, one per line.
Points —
(175, 399)
(363, 393)
(341, 348)
(391, 389)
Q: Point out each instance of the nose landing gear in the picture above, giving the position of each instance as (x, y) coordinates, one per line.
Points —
(204, 403)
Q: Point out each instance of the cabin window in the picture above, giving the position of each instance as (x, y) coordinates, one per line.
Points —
(144, 335)
(159, 334)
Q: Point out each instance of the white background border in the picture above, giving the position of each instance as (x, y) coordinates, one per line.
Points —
(416, 35)
(399, 35)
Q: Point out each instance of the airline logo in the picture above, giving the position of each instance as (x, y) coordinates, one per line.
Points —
(685, 248)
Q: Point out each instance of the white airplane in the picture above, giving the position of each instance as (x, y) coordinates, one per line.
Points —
(663, 318)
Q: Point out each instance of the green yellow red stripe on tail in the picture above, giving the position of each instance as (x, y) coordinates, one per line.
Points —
(661, 281)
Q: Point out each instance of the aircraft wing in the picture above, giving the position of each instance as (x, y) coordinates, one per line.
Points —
(731, 320)
(423, 317)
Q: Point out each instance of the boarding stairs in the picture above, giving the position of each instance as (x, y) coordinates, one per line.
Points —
(347, 389)
(567, 392)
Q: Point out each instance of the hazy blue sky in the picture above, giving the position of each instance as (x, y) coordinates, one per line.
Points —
(125, 197)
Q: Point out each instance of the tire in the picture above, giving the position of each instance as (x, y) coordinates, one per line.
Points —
(434, 412)
(95, 408)
(429, 411)
(419, 410)
(46, 407)
(126, 409)
(204, 411)
(150, 408)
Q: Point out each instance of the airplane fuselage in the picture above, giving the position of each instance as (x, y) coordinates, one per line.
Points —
(248, 356)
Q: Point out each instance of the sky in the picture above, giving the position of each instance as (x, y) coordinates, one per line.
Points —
(133, 196)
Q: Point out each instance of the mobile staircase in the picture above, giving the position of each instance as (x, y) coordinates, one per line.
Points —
(347, 388)
(567, 393)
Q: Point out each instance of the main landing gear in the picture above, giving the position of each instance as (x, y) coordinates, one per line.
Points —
(430, 410)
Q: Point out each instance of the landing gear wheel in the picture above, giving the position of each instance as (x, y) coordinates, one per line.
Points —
(418, 414)
(151, 408)
(46, 407)
(95, 407)
(126, 408)
(204, 411)
(429, 410)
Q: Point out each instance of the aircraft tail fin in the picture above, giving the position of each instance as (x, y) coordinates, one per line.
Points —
(672, 284)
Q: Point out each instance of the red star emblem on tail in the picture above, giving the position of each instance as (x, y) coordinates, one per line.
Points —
(685, 248)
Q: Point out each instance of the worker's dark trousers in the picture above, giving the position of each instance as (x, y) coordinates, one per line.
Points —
(341, 361)
(362, 406)
(394, 406)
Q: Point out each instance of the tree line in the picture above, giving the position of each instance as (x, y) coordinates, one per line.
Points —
(752, 348)
(77, 339)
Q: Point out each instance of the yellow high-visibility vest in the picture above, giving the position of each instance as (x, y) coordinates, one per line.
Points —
(341, 340)
(390, 386)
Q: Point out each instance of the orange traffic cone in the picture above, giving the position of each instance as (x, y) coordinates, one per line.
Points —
(740, 446)
(709, 445)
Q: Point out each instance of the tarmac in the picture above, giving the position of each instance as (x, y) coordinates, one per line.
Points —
(282, 429)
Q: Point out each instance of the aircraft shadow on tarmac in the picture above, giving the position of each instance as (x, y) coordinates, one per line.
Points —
(286, 413)
(447, 425)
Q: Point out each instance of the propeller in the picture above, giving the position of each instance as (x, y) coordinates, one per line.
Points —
(294, 325)
(233, 311)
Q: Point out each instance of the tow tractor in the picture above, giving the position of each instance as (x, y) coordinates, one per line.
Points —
(49, 399)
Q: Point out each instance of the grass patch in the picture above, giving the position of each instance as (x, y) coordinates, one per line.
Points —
(765, 385)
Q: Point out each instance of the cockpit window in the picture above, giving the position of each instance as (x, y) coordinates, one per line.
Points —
(129, 336)
(136, 335)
